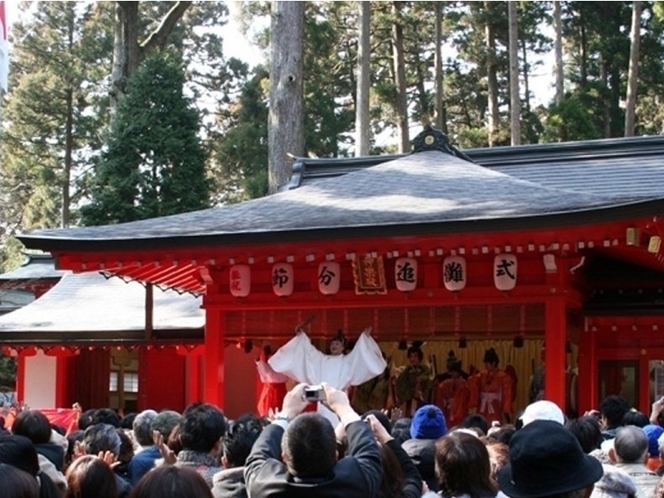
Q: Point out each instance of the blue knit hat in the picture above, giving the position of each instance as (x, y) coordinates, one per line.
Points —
(653, 432)
(428, 423)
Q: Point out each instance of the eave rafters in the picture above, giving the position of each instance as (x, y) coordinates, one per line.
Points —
(180, 269)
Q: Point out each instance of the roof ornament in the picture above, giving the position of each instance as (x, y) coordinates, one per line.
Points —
(431, 138)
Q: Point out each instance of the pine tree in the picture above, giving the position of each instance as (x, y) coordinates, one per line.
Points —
(239, 156)
(54, 112)
(154, 164)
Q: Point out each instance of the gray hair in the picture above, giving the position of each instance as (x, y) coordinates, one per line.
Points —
(630, 444)
(142, 427)
(101, 437)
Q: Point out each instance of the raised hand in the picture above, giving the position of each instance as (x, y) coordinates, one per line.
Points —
(379, 432)
(294, 402)
(166, 453)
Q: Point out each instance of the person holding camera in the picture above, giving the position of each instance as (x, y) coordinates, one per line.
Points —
(301, 361)
(306, 443)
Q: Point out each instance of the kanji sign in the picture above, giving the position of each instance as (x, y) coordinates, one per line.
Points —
(505, 271)
(329, 277)
(454, 273)
(240, 280)
(369, 273)
(282, 279)
(405, 274)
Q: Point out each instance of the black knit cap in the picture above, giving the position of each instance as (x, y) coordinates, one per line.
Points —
(545, 460)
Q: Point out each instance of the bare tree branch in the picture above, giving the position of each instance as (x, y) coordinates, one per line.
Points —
(158, 37)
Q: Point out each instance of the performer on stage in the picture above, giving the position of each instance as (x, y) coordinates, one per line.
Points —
(491, 390)
(374, 394)
(301, 361)
(274, 385)
(452, 395)
(413, 383)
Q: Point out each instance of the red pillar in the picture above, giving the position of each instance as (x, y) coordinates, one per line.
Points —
(20, 377)
(587, 383)
(213, 388)
(644, 401)
(555, 335)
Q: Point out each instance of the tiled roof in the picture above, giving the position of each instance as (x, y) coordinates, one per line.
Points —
(13, 299)
(35, 267)
(90, 307)
(426, 189)
(631, 166)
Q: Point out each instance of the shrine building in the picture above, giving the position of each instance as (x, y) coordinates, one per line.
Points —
(512, 248)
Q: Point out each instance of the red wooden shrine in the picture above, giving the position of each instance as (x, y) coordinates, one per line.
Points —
(587, 273)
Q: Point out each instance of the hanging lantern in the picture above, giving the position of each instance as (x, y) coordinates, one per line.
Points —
(405, 274)
(240, 280)
(282, 279)
(454, 273)
(329, 277)
(504, 271)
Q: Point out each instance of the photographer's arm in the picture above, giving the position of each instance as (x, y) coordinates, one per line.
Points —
(656, 410)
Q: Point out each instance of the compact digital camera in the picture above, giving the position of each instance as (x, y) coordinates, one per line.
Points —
(314, 393)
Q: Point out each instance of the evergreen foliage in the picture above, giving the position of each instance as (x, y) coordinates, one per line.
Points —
(154, 164)
(61, 72)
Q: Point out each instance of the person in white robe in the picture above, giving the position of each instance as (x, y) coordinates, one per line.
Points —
(274, 385)
(301, 361)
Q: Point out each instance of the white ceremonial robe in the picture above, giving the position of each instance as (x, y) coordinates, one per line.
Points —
(301, 361)
(268, 375)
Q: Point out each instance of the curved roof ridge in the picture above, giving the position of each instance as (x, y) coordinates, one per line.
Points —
(423, 188)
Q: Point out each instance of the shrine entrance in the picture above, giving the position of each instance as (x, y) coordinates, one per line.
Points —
(629, 357)
(124, 380)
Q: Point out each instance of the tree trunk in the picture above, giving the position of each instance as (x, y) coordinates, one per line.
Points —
(69, 146)
(558, 44)
(362, 125)
(632, 79)
(127, 51)
(422, 95)
(69, 138)
(584, 54)
(441, 122)
(605, 97)
(286, 116)
(492, 80)
(526, 76)
(615, 96)
(515, 99)
(400, 78)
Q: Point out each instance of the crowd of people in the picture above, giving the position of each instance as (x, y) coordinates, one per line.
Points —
(613, 452)
(458, 443)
